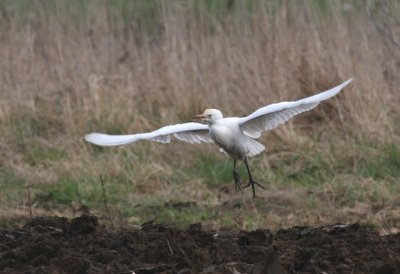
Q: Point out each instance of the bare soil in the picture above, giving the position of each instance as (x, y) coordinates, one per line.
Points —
(81, 245)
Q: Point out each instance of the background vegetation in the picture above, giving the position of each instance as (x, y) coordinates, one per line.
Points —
(72, 67)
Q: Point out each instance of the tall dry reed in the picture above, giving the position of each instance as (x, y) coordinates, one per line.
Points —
(69, 68)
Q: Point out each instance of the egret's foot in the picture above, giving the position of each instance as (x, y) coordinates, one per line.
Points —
(238, 183)
(252, 184)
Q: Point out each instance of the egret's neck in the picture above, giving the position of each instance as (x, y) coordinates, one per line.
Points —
(214, 121)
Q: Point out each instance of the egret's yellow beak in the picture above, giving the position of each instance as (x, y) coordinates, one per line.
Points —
(198, 117)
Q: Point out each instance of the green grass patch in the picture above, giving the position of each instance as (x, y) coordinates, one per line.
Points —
(38, 154)
(84, 190)
(25, 126)
(214, 171)
(13, 187)
(380, 162)
(302, 168)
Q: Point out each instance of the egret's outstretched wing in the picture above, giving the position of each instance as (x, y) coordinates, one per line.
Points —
(269, 117)
(188, 132)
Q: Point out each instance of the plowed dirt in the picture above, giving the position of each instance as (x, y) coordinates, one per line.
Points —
(57, 245)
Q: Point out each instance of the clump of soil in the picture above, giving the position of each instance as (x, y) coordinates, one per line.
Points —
(57, 245)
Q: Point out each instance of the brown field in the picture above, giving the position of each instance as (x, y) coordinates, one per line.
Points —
(81, 245)
(69, 68)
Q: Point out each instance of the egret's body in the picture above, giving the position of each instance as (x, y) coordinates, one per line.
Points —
(227, 135)
(234, 135)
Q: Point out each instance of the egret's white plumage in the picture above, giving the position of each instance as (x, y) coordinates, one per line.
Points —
(188, 132)
(235, 135)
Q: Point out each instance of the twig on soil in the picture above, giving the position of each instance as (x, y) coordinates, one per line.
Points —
(170, 248)
(29, 200)
(104, 197)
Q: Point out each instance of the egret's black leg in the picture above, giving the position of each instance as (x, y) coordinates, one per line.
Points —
(251, 181)
(236, 177)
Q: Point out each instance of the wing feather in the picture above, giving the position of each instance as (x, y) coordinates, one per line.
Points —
(187, 132)
(271, 116)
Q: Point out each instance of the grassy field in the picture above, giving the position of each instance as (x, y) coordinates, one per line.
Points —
(73, 67)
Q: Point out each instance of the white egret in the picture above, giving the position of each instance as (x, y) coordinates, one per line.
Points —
(234, 135)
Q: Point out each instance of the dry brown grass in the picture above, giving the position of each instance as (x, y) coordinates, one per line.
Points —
(64, 74)
(236, 64)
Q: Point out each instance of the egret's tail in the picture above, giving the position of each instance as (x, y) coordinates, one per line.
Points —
(253, 147)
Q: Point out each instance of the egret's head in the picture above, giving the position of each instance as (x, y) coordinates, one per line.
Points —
(209, 116)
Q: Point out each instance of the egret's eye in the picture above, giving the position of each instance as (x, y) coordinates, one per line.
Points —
(209, 115)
